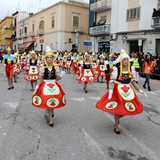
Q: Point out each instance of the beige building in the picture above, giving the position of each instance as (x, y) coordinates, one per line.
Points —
(62, 26)
(6, 29)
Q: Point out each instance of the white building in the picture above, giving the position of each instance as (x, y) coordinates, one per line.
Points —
(129, 22)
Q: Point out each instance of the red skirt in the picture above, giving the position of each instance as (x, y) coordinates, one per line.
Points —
(100, 70)
(49, 96)
(32, 74)
(123, 102)
(107, 77)
(87, 76)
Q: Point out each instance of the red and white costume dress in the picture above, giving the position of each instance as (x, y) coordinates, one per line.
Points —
(124, 101)
(68, 63)
(16, 69)
(74, 64)
(32, 74)
(101, 69)
(87, 74)
(49, 94)
(108, 70)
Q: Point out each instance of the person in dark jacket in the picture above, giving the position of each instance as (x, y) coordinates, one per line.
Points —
(154, 16)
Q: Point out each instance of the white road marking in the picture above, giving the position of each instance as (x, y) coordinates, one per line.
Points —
(151, 93)
(78, 99)
(135, 140)
(13, 105)
(92, 143)
(95, 98)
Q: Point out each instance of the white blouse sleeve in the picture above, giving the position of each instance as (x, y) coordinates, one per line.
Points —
(114, 74)
(133, 71)
(41, 71)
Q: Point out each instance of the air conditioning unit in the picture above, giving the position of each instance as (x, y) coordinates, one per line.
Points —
(69, 40)
(113, 36)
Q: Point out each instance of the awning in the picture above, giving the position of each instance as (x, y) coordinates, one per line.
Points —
(134, 39)
(25, 45)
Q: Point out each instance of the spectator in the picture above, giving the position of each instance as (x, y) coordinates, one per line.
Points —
(154, 16)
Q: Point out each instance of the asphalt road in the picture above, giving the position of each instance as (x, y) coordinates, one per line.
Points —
(81, 131)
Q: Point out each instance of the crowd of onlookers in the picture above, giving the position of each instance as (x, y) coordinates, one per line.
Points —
(155, 58)
(100, 22)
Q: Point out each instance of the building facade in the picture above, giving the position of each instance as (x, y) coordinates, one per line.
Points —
(130, 26)
(17, 17)
(62, 26)
(6, 29)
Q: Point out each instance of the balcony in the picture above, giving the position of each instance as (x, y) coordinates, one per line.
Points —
(155, 23)
(9, 26)
(24, 35)
(99, 30)
(40, 31)
(31, 34)
(100, 6)
(19, 36)
(75, 29)
(7, 37)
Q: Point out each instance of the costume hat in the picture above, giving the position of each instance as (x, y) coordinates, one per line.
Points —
(122, 55)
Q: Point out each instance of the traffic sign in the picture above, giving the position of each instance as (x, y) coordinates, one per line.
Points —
(140, 42)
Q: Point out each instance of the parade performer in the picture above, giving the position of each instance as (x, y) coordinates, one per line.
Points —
(74, 64)
(101, 68)
(147, 70)
(48, 93)
(108, 69)
(32, 74)
(68, 64)
(121, 99)
(24, 61)
(94, 61)
(87, 73)
(8, 60)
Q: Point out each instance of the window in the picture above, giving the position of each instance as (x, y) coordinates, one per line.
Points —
(33, 27)
(75, 21)
(103, 18)
(53, 21)
(133, 14)
(15, 22)
(25, 29)
(41, 25)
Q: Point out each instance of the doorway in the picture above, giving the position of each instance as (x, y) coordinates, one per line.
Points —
(134, 46)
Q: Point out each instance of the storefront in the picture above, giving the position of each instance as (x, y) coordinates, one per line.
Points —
(104, 47)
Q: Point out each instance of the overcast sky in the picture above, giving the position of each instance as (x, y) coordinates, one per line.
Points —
(11, 6)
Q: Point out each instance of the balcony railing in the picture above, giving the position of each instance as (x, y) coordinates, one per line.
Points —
(99, 6)
(100, 30)
(75, 29)
(40, 31)
(24, 35)
(9, 26)
(19, 36)
(155, 23)
(31, 34)
(7, 37)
